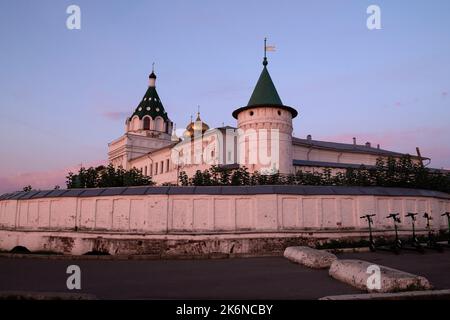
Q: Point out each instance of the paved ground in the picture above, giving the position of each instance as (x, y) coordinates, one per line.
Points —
(243, 278)
(432, 265)
(239, 278)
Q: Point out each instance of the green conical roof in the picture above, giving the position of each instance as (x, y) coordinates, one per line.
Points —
(265, 95)
(150, 104)
(265, 92)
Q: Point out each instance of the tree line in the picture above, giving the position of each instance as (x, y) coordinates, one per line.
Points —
(386, 173)
(402, 172)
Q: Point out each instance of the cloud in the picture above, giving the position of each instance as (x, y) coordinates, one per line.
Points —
(115, 115)
(41, 179)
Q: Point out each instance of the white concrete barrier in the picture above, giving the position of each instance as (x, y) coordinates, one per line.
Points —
(371, 277)
(312, 258)
(288, 215)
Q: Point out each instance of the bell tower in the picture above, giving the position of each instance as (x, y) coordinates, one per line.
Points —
(147, 129)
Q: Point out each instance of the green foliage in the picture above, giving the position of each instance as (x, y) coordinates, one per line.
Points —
(386, 173)
(102, 177)
(27, 188)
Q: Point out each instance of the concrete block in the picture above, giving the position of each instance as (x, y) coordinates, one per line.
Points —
(312, 258)
(357, 272)
(410, 295)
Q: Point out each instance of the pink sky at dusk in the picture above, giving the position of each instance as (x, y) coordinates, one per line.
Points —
(41, 180)
(66, 93)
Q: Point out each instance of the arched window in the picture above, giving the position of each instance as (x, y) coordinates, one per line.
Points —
(135, 123)
(159, 124)
(146, 123)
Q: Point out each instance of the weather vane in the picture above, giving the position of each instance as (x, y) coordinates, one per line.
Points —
(267, 48)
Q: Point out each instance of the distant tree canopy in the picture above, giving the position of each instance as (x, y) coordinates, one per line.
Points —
(390, 173)
(27, 188)
(402, 172)
(102, 177)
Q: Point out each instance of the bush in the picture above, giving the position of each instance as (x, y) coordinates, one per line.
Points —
(390, 173)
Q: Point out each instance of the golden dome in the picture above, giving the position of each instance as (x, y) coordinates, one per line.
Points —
(195, 127)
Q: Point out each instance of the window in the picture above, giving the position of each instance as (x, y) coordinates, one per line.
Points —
(145, 170)
(251, 113)
(159, 124)
(151, 169)
(146, 123)
(162, 166)
(279, 112)
(156, 168)
(167, 165)
(212, 153)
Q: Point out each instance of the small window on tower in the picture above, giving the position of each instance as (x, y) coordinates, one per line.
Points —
(251, 113)
(146, 123)
(279, 112)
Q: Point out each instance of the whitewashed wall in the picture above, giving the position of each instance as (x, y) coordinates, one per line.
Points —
(213, 213)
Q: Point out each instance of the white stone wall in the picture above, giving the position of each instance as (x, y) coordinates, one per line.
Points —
(156, 214)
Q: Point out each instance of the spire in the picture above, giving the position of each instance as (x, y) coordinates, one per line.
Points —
(152, 77)
(265, 53)
(198, 114)
(265, 94)
(174, 137)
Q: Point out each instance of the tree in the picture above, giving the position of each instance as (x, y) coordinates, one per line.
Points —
(386, 173)
(102, 177)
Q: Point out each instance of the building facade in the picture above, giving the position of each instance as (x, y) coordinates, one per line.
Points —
(261, 141)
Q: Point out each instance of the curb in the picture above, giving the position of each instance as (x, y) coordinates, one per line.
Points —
(137, 257)
(25, 295)
(348, 250)
(410, 295)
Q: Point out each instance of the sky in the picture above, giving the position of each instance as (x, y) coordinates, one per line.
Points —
(64, 94)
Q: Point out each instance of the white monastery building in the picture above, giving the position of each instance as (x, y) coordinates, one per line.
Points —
(262, 141)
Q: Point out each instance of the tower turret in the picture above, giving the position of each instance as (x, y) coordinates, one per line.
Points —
(265, 128)
(150, 115)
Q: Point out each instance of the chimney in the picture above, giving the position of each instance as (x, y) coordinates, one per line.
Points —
(354, 141)
(308, 137)
(368, 144)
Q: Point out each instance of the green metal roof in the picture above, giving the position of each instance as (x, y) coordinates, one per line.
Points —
(265, 92)
(150, 105)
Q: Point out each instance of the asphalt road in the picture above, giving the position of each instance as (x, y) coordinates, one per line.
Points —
(239, 278)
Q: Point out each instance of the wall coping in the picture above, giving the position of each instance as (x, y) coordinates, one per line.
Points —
(226, 190)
